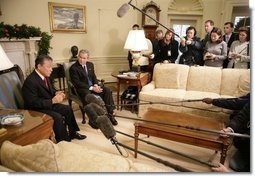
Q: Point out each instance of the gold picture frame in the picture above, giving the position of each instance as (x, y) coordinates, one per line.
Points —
(67, 17)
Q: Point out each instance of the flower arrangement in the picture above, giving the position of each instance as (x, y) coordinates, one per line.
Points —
(24, 31)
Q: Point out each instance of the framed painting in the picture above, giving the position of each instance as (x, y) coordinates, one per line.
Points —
(67, 17)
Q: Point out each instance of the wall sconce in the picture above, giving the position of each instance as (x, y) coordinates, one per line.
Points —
(5, 62)
(136, 42)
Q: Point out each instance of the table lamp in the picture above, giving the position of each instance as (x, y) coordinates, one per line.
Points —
(5, 62)
(136, 43)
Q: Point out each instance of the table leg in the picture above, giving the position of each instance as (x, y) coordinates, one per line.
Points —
(118, 93)
(226, 143)
(136, 139)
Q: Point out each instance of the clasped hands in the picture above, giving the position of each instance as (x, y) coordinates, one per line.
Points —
(97, 88)
(59, 97)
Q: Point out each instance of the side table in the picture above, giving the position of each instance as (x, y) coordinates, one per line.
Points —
(35, 126)
(139, 81)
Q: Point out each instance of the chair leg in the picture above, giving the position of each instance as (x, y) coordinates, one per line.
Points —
(83, 115)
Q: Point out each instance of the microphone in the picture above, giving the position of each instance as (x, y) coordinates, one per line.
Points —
(123, 9)
(91, 98)
(93, 111)
(107, 129)
(92, 114)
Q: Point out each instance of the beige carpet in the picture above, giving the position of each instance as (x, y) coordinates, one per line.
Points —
(96, 140)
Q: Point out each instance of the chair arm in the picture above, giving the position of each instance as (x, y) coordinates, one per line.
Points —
(72, 88)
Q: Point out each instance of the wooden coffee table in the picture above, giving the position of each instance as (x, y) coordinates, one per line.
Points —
(198, 138)
(35, 126)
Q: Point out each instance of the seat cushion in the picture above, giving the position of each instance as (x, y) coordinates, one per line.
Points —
(193, 95)
(164, 96)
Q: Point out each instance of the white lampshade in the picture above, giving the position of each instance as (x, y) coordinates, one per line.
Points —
(5, 63)
(136, 41)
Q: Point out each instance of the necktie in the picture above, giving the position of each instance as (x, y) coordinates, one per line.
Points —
(227, 38)
(86, 71)
(45, 83)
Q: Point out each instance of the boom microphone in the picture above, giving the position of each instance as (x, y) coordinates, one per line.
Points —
(93, 111)
(107, 129)
(123, 9)
(91, 98)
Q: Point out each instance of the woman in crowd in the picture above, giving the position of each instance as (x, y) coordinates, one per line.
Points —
(191, 48)
(168, 49)
(239, 51)
(215, 49)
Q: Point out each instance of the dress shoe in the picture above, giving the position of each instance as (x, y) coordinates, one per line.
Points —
(78, 136)
(112, 119)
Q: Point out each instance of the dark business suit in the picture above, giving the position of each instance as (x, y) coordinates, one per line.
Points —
(38, 97)
(80, 81)
(232, 38)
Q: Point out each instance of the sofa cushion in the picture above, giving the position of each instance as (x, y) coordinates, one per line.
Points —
(161, 95)
(193, 95)
(173, 76)
(204, 79)
(90, 160)
(45, 156)
(235, 82)
(39, 157)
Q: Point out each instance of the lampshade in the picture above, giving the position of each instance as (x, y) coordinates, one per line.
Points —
(136, 41)
(5, 63)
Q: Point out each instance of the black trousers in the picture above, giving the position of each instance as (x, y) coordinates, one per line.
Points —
(106, 95)
(63, 116)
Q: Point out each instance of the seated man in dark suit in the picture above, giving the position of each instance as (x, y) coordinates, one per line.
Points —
(83, 77)
(39, 95)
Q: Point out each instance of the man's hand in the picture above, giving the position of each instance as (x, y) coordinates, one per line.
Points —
(58, 98)
(207, 100)
(97, 88)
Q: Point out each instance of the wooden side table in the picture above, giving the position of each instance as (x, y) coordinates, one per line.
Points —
(35, 126)
(141, 80)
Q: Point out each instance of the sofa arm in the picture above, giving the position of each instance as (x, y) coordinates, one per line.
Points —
(148, 87)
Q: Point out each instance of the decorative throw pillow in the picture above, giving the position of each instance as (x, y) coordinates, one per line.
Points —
(39, 157)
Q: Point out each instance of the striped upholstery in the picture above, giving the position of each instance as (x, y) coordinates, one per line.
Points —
(10, 91)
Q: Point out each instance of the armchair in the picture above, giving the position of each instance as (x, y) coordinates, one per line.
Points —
(71, 91)
(10, 90)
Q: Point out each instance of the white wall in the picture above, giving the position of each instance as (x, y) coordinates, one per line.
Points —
(106, 33)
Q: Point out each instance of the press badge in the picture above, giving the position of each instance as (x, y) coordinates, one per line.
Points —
(169, 53)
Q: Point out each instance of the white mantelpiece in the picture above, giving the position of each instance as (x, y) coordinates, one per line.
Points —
(22, 52)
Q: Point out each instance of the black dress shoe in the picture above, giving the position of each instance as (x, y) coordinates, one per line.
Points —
(78, 136)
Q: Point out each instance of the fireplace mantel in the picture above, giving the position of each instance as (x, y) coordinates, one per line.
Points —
(22, 52)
